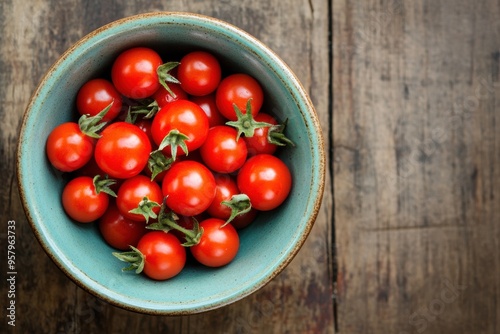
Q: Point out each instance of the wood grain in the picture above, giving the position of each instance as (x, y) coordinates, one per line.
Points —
(33, 34)
(416, 165)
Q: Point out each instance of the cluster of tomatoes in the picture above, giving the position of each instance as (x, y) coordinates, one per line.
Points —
(168, 157)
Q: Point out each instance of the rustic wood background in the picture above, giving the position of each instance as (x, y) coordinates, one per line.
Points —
(408, 236)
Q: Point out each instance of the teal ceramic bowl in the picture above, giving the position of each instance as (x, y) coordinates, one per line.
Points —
(267, 246)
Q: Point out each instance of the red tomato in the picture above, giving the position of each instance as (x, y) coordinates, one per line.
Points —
(123, 150)
(131, 194)
(189, 187)
(163, 97)
(238, 89)
(68, 148)
(95, 95)
(118, 231)
(134, 72)
(145, 125)
(266, 180)
(241, 221)
(218, 245)
(164, 256)
(207, 103)
(186, 117)
(225, 188)
(259, 143)
(221, 152)
(199, 73)
(81, 201)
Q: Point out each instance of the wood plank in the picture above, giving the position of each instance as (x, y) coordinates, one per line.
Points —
(33, 34)
(416, 165)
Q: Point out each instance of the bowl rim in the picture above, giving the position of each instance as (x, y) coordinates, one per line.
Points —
(257, 44)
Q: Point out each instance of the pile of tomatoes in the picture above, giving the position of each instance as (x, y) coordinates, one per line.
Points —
(170, 156)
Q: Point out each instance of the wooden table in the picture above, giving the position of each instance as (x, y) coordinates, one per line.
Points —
(408, 94)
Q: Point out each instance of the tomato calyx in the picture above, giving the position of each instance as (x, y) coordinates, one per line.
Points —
(91, 125)
(276, 135)
(167, 221)
(164, 76)
(158, 163)
(146, 107)
(239, 204)
(103, 185)
(145, 208)
(245, 123)
(134, 257)
(174, 139)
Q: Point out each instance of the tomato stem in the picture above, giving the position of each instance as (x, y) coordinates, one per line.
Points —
(134, 257)
(145, 208)
(245, 123)
(276, 136)
(158, 163)
(104, 185)
(174, 139)
(91, 125)
(164, 76)
(239, 204)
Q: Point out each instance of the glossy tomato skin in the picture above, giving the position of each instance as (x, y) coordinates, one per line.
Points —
(266, 180)
(186, 117)
(225, 188)
(163, 97)
(132, 192)
(258, 143)
(95, 95)
(134, 72)
(207, 103)
(81, 201)
(189, 188)
(199, 73)
(120, 232)
(241, 221)
(163, 253)
(218, 245)
(68, 148)
(122, 151)
(221, 152)
(238, 89)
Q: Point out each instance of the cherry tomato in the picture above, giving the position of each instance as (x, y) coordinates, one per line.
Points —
(238, 89)
(225, 188)
(81, 201)
(163, 97)
(189, 187)
(164, 256)
(218, 245)
(68, 148)
(184, 116)
(120, 232)
(241, 221)
(145, 125)
(199, 73)
(221, 152)
(123, 150)
(207, 103)
(259, 143)
(266, 180)
(131, 196)
(95, 95)
(134, 72)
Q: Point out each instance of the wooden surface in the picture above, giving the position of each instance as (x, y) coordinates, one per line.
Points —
(408, 235)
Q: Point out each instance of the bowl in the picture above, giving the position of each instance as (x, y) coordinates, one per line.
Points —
(267, 246)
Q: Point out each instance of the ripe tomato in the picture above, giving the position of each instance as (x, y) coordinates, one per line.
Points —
(123, 150)
(187, 118)
(134, 72)
(221, 152)
(120, 232)
(225, 188)
(266, 180)
(259, 143)
(82, 202)
(163, 97)
(131, 196)
(238, 89)
(218, 245)
(68, 148)
(164, 256)
(241, 221)
(95, 95)
(199, 73)
(189, 187)
(207, 103)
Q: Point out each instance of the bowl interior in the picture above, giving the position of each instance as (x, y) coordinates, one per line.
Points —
(266, 246)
